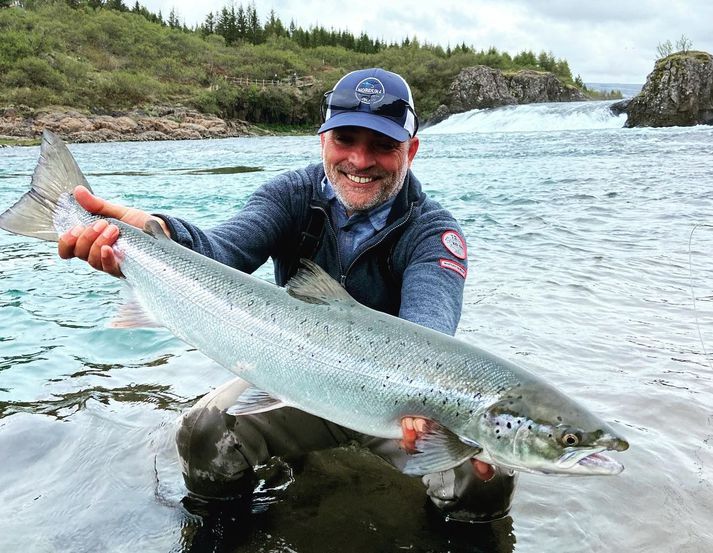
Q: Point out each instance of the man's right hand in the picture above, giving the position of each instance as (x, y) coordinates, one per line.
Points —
(94, 244)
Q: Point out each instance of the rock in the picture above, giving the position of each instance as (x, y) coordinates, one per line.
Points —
(620, 107)
(441, 114)
(157, 123)
(678, 92)
(485, 87)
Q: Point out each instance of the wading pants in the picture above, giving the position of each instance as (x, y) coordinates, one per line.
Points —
(218, 452)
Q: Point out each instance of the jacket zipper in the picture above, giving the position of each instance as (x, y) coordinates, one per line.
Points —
(343, 278)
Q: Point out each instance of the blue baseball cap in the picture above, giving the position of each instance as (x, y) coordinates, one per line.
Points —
(372, 98)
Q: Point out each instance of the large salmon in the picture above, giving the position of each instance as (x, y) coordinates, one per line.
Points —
(314, 348)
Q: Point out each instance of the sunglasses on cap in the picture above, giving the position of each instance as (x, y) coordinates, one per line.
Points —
(388, 105)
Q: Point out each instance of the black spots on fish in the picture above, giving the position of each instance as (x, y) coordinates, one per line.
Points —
(363, 386)
(529, 427)
(402, 343)
(439, 364)
(273, 317)
(370, 328)
(519, 423)
(387, 377)
(497, 431)
(559, 419)
(423, 401)
(251, 303)
(388, 340)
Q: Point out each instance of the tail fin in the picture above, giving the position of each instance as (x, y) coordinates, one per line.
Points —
(56, 174)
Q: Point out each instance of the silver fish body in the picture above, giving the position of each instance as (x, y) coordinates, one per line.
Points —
(315, 348)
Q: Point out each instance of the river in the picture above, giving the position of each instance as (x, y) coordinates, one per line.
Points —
(590, 264)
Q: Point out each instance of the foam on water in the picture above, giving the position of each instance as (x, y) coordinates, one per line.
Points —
(531, 118)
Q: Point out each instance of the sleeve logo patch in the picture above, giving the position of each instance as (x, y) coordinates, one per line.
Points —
(453, 266)
(454, 244)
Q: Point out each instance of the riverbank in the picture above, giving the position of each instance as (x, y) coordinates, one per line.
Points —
(21, 125)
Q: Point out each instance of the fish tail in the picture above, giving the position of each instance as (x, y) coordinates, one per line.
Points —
(49, 207)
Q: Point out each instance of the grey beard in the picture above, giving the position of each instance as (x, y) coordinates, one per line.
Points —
(383, 197)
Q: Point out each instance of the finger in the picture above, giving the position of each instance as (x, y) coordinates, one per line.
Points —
(86, 239)
(97, 205)
(107, 236)
(484, 471)
(66, 243)
(409, 434)
(110, 263)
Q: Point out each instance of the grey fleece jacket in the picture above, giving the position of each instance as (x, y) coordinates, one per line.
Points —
(414, 268)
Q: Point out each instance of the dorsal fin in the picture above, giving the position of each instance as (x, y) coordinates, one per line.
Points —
(313, 284)
(153, 228)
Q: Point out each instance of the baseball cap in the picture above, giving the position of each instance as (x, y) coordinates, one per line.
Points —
(373, 98)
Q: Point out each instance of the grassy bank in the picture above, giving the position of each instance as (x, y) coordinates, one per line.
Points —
(106, 60)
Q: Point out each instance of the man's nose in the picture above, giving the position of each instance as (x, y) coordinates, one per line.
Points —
(361, 155)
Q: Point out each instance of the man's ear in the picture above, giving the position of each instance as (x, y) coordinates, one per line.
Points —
(412, 149)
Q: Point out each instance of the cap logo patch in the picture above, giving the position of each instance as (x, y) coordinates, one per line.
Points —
(369, 91)
(454, 244)
(453, 266)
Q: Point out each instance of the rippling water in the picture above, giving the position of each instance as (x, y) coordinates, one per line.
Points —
(586, 264)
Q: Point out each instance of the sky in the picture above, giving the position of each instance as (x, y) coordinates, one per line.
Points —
(604, 41)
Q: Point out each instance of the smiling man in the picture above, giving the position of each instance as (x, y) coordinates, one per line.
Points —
(362, 216)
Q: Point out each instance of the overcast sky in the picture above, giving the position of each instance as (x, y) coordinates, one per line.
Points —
(604, 41)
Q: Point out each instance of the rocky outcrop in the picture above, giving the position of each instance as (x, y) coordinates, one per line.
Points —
(678, 92)
(484, 87)
(159, 123)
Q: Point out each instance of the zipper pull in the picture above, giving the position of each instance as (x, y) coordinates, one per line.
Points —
(342, 280)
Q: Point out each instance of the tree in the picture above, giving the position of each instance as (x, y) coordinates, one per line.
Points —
(664, 49)
(683, 44)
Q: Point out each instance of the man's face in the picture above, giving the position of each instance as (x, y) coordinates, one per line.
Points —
(365, 167)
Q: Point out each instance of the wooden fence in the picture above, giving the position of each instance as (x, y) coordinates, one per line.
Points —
(294, 80)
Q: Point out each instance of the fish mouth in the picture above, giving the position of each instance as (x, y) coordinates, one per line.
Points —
(589, 461)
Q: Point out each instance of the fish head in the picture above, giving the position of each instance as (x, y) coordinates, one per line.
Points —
(536, 428)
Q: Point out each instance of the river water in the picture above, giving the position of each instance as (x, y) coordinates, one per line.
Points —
(590, 265)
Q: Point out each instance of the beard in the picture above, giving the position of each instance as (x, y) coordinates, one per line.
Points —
(391, 184)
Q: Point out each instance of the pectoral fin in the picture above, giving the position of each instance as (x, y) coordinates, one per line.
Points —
(439, 449)
(254, 400)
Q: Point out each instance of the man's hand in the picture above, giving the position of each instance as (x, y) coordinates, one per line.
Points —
(413, 426)
(93, 244)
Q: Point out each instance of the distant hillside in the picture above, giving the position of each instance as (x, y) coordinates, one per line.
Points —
(103, 57)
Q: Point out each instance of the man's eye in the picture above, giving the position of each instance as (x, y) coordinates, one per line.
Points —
(387, 146)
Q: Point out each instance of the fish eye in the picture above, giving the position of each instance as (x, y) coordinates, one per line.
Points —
(571, 439)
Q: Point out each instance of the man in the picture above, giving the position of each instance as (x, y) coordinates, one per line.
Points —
(362, 216)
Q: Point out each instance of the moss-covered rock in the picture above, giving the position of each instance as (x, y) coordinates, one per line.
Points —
(485, 87)
(678, 92)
